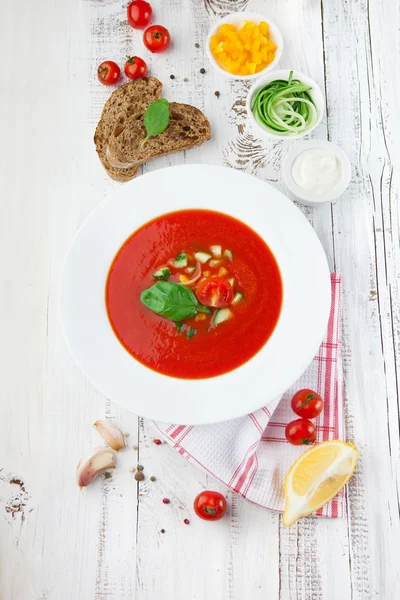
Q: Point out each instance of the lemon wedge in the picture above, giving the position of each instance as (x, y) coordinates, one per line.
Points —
(316, 477)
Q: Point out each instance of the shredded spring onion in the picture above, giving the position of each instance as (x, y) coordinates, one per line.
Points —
(285, 107)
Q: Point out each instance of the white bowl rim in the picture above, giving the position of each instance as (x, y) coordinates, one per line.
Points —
(237, 17)
(293, 344)
(319, 100)
(304, 195)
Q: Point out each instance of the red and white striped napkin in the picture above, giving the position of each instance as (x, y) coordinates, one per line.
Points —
(250, 454)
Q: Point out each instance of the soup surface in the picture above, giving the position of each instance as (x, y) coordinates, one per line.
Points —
(194, 294)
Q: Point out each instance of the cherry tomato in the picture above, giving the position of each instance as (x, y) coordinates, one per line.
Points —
(108, 72)
(300, 432)
(214, 291)
(307, 404)
(139, 14)
(135, 67)
(210, 506)
(156, 38)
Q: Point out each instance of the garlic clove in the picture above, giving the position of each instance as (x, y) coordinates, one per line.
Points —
(88, 469)
(110, 434)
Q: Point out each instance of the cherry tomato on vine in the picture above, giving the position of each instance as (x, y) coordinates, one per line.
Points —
(156, 38)
(108, 72)
(210, 506)
(139, 14)
(300, 432)
(135, 67)
(215, 291)
(307, 404)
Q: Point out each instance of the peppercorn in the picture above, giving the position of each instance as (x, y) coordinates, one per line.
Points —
(152, 478)
(139, 476)
(217, 94)
(139, 468)
(197, 45)
(202, 71)
(107, 475)
(166, 500)
(186, 521)
(157, 442)
(162, 530)
(172, 76)
(185, 79)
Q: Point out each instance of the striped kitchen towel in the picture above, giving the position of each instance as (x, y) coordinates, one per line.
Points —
(250, 454)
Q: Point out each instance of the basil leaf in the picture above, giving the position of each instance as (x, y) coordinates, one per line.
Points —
(156, 118)
(170, 300)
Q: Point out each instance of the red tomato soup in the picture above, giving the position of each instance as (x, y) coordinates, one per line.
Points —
(238, 288)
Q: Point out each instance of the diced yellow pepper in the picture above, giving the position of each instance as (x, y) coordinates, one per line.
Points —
(214, 42)
(270, 46)
(232, 36)
(226, 28)
(264, 27)
(229, 47)
(248, 26)
(251, 67)
(256, 45)
(257, 58)
(233, 67)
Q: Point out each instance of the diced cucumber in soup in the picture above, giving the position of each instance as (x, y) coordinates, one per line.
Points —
(202, 257)
(223, 314)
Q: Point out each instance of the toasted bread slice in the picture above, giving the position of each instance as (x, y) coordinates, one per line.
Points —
(187, 127)
(129, 100)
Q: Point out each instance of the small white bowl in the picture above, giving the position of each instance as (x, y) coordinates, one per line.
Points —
(315, 93)
(238, 18)
(305, 196)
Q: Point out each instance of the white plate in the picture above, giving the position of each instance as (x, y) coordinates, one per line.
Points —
(292, 346)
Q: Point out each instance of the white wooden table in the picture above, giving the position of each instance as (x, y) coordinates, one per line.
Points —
(105, 543)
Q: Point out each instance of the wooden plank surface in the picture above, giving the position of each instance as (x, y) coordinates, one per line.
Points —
(105, 544)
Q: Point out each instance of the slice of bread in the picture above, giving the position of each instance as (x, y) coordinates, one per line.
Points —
(129, 100)
(187, 127)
